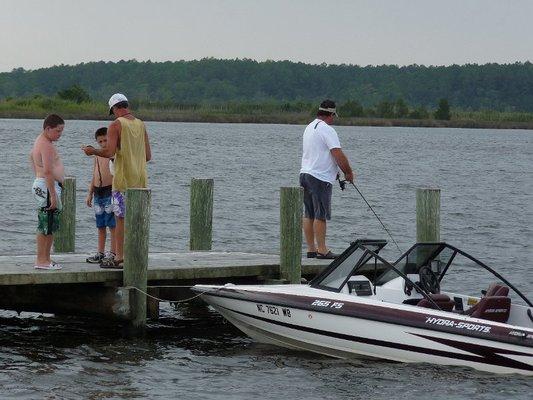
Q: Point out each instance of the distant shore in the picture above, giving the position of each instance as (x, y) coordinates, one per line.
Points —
(260, 115)
(284, 119)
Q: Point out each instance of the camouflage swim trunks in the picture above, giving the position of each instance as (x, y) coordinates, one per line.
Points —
(47, 220)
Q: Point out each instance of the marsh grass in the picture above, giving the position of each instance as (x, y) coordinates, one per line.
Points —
(243, 112)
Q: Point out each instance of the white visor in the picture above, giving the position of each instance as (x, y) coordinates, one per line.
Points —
(331, 110)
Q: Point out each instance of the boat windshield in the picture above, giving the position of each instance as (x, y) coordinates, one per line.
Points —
(338, 272)
(362, 258)
(437, 256)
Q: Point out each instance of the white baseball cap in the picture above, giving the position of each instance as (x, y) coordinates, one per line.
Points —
(114, 100)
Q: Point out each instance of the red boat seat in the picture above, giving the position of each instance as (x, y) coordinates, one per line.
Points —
(494, 306)
(442, 300)
(495, 289)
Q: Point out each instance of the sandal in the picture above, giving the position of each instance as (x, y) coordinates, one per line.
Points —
(328, 256)
(52, 266)
(112, 263)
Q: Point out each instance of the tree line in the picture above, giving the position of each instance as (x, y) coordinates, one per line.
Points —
(398, 109)
(388, 90)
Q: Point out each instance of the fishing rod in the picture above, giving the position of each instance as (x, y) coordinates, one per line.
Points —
(343, 186)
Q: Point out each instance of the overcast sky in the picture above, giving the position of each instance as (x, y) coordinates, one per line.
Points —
(42, 33)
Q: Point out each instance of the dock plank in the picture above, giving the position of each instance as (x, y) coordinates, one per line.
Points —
(18, 270)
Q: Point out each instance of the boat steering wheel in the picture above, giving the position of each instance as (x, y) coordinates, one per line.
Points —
(429, 280)
(407, 287)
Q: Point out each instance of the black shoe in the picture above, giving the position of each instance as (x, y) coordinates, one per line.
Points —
(311, 254)
(96, 259)
(328, 256)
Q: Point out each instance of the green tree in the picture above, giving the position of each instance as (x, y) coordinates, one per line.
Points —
(401, 110)
(74, 93)
(385, 109)
(443, 112)
(351, 108)
(419, 113)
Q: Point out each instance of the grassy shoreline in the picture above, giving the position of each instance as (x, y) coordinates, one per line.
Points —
(261, 114)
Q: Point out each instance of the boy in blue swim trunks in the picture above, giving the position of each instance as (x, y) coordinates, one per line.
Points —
(99, 197)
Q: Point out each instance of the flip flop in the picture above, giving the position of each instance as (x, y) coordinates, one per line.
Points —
(328, 256)
(53, 266)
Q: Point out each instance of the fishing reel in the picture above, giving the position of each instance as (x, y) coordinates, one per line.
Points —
(342, 183)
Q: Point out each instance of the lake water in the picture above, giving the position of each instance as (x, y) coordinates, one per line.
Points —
(486, 179)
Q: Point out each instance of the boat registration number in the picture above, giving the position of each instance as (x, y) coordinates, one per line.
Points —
(273, 310)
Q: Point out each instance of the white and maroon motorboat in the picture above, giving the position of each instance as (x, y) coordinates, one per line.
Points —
(363, 305)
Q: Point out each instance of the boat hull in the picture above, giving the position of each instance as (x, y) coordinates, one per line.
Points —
(345, 336)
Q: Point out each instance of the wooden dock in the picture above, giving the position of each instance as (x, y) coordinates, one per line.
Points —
(86, 289)
(174, 267)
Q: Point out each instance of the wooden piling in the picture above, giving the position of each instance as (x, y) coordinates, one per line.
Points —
(64, 238)
(201, 219)
(137, 229)
(427, 215)
(291, 201)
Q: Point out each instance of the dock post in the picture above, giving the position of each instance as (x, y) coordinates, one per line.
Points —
(201, 219)
(291, 201)
(427, 215)
(137, 229)
(64, 238)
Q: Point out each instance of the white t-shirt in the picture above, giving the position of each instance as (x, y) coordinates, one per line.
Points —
(319, 138)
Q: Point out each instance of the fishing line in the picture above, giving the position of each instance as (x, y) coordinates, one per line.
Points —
(343, 183)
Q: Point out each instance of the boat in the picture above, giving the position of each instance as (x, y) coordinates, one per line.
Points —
(363, 305)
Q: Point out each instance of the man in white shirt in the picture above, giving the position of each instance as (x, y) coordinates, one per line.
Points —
(321, 159)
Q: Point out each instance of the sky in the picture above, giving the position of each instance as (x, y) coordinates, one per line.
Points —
(43, 33)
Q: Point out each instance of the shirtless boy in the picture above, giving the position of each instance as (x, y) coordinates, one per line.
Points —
(49, 174)
(100, 192)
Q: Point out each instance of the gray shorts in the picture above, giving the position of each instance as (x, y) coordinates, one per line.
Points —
(317, 197)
